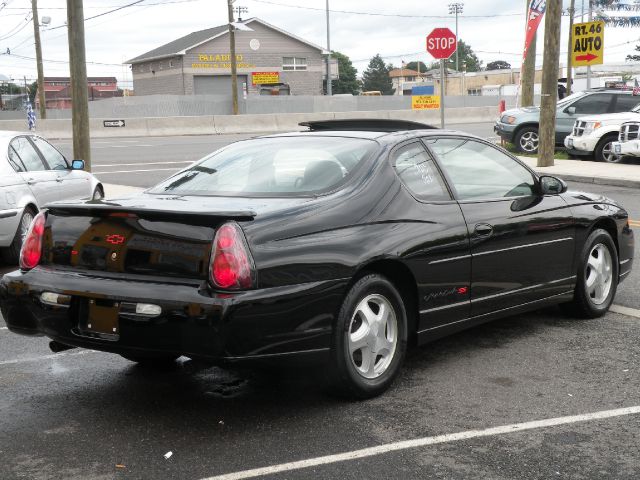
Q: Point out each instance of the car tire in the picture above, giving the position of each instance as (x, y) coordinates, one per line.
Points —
(368, 345)
(152, 361)
(603, 151)
(11, 254)
(597, 278)
(527, 140)
(98, 193)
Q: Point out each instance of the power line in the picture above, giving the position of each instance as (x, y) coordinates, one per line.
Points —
(17, 29)
(398, 15)
(103, 13)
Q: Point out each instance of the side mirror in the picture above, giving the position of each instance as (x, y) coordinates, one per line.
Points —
(552, 185)
(571, 110)
(77, 165)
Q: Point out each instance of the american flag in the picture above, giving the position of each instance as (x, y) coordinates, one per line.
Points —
(31, 117)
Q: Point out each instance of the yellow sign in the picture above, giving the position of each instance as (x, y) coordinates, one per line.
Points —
(425, 102)
(265, 78)
(587, 40)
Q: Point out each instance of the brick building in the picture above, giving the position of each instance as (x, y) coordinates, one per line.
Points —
(57, 90)
(199, 63)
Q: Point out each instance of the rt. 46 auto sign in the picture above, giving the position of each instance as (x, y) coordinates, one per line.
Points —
(587, 40)
(441, 43)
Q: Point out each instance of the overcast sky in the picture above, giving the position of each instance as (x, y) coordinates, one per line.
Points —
(493, 28)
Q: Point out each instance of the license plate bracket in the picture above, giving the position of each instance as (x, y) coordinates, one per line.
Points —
(101, 319)
(570, 142)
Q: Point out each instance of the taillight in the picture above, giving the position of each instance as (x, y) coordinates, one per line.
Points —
(231, 263)
(32, 245)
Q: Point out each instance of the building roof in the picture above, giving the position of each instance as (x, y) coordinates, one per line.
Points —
(89, 79)
(404, 72)
(194, 39)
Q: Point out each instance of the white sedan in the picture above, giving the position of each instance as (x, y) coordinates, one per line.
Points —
(32, 174)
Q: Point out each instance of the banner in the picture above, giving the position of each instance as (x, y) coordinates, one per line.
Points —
(536, 12)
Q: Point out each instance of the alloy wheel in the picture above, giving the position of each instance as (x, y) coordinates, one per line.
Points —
(608, 155)
(25, 223)
(529, 142)
(373, 336)
(599, 274)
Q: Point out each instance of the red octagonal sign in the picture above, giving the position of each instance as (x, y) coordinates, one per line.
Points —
(441, 43)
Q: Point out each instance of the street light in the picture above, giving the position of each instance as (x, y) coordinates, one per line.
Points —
(456, 9)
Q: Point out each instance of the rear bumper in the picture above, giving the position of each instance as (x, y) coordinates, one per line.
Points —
(194, 322)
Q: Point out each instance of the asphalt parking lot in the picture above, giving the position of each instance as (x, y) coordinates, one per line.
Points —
(462, 408)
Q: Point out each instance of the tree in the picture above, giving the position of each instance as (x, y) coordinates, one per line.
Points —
(414, 66)
(33, 90)
(466, 56)
(498, 65)
(348, 81)
(376, 76)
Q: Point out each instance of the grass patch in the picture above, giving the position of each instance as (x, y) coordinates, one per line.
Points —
(561, 154)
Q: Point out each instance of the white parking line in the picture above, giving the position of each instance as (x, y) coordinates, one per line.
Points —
(426, 441)
(4, 328)
(44, 357)
(630, 312)
(132, 171)
(99, 165)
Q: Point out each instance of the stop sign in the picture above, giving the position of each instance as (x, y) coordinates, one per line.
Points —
(441, 43)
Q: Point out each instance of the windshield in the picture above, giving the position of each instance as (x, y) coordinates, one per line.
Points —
(272, 167)
(566, 100)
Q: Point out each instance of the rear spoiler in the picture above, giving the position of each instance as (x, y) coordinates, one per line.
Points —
(105, 209)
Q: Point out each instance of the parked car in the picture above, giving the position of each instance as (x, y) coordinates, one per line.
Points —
(32, 173)
(628, 143)
(340, 245)
(594, 135)
(520, 125)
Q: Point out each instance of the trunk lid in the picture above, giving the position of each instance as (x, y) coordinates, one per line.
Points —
(161, 236)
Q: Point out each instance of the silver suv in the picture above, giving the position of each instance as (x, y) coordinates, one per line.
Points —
(520, 125)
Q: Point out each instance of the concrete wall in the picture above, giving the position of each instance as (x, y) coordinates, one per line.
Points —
(188, 105)
(249, 123)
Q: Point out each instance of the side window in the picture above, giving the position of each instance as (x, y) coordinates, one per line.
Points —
(624, 103)
(53, 157)
(15, 162)
(597, 103)
(30, 158)
(481, 171)
(419, 174)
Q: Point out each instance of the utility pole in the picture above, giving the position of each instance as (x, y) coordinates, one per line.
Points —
(547, 129)
(36, 35)
(78, 73)
(572, 11)
(528, 73)
(329, 85)
(234, 66)
(456, 8)
(589, 66)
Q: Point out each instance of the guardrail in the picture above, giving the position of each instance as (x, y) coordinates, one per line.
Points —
(248, 123)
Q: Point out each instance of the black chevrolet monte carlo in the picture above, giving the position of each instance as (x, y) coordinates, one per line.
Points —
(342, 245)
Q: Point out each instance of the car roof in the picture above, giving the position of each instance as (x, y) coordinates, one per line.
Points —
(373, 135)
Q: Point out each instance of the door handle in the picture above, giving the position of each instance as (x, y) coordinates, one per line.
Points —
(58, 179)
(483, 229)
(31, 181)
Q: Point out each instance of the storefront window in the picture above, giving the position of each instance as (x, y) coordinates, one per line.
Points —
(294, 63)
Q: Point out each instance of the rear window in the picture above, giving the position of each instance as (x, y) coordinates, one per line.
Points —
(272, 167)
